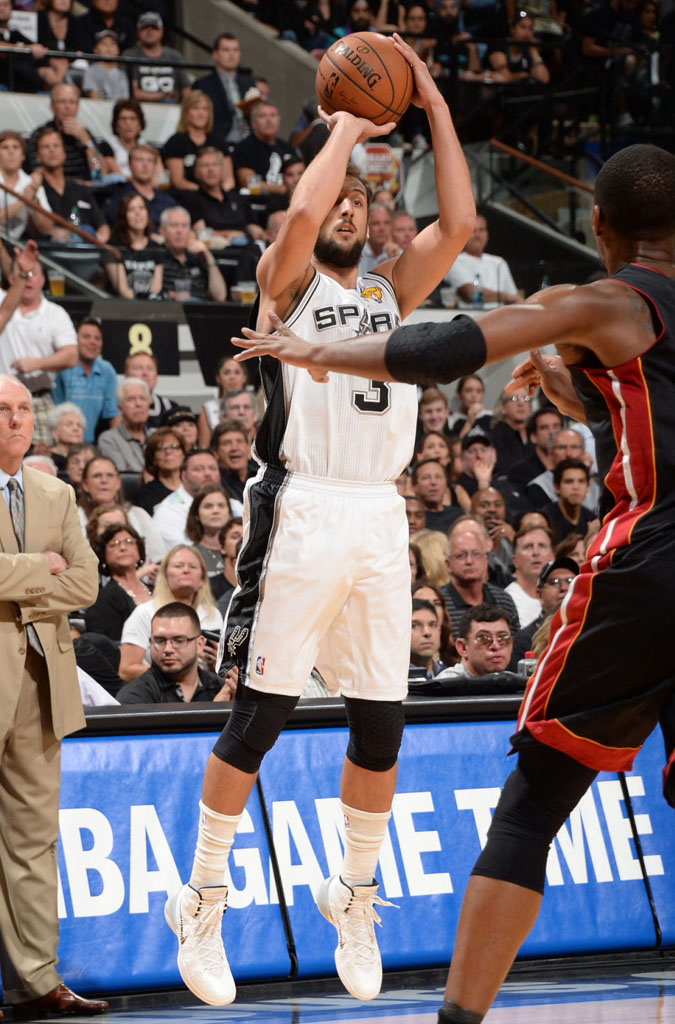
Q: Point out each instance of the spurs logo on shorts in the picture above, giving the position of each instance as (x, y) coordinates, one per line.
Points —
(237, 637)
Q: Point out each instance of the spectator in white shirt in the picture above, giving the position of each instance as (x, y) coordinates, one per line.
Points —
(15, 216)
(496, 283)
(170, 517)
(38, 340)
(532, 549)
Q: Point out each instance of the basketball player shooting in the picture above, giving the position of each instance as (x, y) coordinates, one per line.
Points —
(594, 696)
(323, 572)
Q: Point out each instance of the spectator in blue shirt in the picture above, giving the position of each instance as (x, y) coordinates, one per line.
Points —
(91, 383)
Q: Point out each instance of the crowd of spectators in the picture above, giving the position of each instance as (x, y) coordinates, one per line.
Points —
(227, 169)
(628, 43)
(498, 505)
(216, 190)
(501, 503)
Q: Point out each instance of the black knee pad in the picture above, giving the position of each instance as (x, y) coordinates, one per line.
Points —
(375, 731)
(255, 723)
(536, 800)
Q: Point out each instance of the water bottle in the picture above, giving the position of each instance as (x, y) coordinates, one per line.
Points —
(477, 297)
(526, 665)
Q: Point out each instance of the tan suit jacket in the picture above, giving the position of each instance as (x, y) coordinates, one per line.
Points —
(30, 593)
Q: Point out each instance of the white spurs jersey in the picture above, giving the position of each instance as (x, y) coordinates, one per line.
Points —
(349, 428)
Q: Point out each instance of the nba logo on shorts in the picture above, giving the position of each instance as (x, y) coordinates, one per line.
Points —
(260, 666)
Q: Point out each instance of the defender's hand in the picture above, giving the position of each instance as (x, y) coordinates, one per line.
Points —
(283, 345)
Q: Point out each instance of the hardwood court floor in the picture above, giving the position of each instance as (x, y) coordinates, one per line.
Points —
(546, 995)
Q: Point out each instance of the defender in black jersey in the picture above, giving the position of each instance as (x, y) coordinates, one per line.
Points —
(594, 697)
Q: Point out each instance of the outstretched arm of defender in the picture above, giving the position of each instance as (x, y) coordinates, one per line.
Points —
(571, 317)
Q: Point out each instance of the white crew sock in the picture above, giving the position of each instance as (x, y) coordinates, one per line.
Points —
(364, 833)
(214, 842)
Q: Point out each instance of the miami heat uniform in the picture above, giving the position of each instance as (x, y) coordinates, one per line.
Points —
(323, 571)
(608, 671)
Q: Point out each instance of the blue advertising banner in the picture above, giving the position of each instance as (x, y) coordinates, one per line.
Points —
(129, 822)
(128, 826)
(448, 785)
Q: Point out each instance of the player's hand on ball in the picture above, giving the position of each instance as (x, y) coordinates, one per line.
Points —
(425, 87)
(367, 129)
(283, 345)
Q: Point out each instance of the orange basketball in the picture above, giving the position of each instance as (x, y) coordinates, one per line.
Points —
(366, 75)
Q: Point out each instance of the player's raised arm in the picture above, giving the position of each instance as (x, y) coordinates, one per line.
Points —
(285, 267)
(438, 245)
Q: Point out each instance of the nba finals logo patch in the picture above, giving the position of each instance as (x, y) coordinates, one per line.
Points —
(260, 665)
(372, 292)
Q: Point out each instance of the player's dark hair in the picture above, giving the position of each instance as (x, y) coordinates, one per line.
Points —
(482, 613)
(353, 172)
(634, 191)
(569, 464)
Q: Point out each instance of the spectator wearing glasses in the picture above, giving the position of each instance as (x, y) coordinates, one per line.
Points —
(164, 454)
(121, 551)
(484, 642)
(552, 586)
(182, 577)
(467, 564)
(175, 676)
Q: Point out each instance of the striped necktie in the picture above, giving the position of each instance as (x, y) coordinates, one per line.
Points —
(16, 511)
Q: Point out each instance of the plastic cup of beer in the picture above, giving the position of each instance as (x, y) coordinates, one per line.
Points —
(448, 297)
(248, 290)
(57, 282)
(254, 184)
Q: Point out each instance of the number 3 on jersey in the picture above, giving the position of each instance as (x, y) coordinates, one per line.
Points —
(375, 400)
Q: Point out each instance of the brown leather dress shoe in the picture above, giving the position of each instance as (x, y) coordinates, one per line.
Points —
(60, 1001)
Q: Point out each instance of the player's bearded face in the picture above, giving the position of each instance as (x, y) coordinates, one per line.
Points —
(342, 251)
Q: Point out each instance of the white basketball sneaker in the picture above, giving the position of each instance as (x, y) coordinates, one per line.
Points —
(195, 916)
(352, 911)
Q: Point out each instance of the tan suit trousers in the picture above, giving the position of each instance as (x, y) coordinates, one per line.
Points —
(30, 769)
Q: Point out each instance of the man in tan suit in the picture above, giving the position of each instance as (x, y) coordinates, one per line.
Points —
(47, 569)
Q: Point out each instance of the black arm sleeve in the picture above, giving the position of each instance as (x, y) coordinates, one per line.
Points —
(435, 353)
